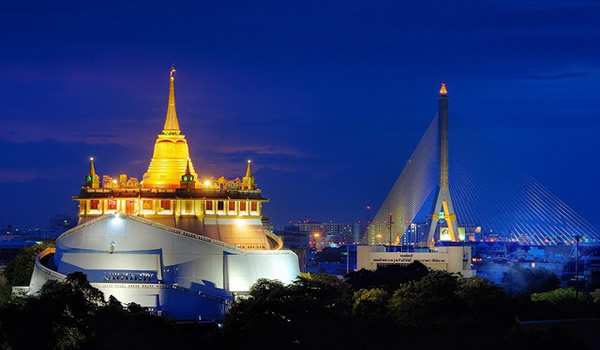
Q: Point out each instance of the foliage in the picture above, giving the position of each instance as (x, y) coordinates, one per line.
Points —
(388, 278)
(294, 314)
(415, 302)
(562, 295)
(330, 254)
(5, 292)
(370, 304)
(18, 272)
(518, 280)
(74, 315)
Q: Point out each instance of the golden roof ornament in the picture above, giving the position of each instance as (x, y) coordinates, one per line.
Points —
(171, 122)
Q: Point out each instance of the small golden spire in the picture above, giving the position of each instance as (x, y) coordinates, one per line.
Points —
(171, 123)
(92, 180)
(187, 168)
(92, 168)
(248, 182)
(443, 91)
(248, 170)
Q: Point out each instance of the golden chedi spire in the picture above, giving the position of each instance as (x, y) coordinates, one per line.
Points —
(171, 152)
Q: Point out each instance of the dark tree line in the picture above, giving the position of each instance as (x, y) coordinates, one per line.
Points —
(403, 307)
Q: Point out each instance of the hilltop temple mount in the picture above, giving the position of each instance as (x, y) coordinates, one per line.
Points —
(175, 243)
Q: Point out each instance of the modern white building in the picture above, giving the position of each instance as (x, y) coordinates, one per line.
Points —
(456, 259)
(172, 272)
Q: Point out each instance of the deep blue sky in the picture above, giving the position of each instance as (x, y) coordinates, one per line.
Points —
(327, 98)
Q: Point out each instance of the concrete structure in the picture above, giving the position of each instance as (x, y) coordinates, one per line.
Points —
(456, 259)
(443, 207)
(172, 272)
(180, 249)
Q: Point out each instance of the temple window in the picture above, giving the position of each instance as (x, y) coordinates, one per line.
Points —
(147, 204)
(220, 206)
(231, 206)
(112, 204)
(188, 206)
(165, 204)
(253, 206)
(94, 204)
(243, 206)
(209, 205)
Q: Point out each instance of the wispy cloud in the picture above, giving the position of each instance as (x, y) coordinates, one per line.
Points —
(554, 75)
(261, 150)
(123, 132)
(19, 175)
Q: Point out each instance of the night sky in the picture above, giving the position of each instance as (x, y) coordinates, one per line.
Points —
(327, 98)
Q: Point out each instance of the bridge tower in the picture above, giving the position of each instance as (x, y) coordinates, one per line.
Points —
(442, 205)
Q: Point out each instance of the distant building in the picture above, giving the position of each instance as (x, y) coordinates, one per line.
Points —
(456, 259)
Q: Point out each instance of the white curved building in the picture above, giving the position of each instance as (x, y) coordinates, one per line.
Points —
(175, 273)
(181, 249)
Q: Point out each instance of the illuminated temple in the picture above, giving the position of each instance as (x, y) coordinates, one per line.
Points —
(175, 243)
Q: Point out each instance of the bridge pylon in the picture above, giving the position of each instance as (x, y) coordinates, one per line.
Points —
(442, 205)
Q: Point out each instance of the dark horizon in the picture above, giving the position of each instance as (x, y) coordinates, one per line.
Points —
(328, 100)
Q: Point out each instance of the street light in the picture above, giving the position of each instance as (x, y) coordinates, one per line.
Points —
(577, 238)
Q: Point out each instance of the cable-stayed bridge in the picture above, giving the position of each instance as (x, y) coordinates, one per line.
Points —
(483, 195)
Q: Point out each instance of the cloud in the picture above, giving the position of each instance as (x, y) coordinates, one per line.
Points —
(122, 132)
(554, 75)
(19, 175)
(261, 150)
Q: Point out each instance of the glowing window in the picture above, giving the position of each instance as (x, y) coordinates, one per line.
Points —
(253, 206)
(242, 206)
(231, 206)
(165, 204)
(112, 204)
(146, 204)
(94, 204)
(209, 205)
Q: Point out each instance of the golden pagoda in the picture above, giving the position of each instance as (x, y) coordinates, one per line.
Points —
(172, 194)
(171, 152)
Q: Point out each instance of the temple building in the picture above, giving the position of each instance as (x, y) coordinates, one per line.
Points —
(178, 244)
(171, 194)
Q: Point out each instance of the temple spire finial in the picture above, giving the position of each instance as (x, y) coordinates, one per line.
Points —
(248, 170)
(92, 168)
(187, 167)
(91, 179)
(171, 122)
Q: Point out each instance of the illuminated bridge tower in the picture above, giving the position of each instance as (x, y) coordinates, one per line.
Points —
(442, 205)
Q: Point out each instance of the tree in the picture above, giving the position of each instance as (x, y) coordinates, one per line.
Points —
(330, 254)
(426, 301)
(72, 314)
(558, 296)
(518, 280)
(290, 316)
(370, 304)
(18, 272)
(388, 278)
